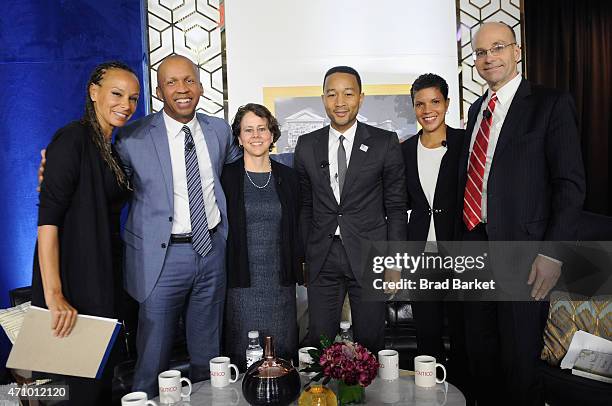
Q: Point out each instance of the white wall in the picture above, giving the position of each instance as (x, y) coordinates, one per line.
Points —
(293, 43)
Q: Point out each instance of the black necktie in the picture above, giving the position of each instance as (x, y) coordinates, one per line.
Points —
(341, 163)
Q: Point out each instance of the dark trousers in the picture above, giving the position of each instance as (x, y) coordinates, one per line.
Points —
(325, 298)
(429, 319)
(504, 342)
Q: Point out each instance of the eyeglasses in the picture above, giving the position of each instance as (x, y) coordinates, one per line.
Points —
(250, 131)
(494, 50)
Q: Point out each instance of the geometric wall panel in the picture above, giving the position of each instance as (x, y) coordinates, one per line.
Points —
(192, 28)
(472, 13)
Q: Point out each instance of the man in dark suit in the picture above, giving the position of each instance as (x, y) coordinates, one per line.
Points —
(521, 178)
(353, 191)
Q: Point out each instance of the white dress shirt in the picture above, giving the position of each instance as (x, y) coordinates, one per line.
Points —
(181, 218)
(428, 164)
(505, 95)
(334, 142)
(504, 99)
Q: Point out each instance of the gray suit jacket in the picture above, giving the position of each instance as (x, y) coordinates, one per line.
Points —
(373, 202)
(145, 154)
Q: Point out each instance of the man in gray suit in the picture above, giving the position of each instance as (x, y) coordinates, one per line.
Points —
(176, 227)
(353, 191)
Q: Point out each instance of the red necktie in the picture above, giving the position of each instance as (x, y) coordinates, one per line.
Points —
(472, 199)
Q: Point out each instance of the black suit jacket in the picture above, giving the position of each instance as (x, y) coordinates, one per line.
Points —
(373, 202)
(536, 185)
(444, 205)
(80, 196)
(287, 188)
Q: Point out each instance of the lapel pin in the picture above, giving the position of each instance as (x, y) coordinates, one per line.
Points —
(364, 148)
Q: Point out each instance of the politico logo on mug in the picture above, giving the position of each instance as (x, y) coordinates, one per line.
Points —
(220, 372)
(388, 361)
(425, 371)
(170, 387)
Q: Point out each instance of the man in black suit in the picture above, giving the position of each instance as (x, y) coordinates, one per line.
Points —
(521, 178)
(353, 191)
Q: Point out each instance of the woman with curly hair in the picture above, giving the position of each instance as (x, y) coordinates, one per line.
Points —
(81, 196)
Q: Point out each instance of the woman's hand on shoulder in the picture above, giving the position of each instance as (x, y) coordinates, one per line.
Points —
(41, 168)
(63, 315)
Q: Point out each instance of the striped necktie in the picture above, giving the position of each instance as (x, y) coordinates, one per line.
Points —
(472, 198)
(200, 236)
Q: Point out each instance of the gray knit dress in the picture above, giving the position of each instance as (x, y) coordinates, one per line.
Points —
(265, 306)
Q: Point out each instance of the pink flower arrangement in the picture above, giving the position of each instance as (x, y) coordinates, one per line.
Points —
(351, 363)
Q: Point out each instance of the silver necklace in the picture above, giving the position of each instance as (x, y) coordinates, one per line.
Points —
(255, 184)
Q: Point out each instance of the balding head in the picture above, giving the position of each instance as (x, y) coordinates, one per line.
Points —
(498, 27)
(500, 68)
(179, 87)
(172, 60)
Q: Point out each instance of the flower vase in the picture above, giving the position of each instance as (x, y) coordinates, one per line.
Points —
(350, 394)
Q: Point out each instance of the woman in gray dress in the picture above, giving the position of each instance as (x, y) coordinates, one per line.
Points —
(264, 251)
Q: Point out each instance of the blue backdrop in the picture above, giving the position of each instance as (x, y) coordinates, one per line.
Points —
(48, 49)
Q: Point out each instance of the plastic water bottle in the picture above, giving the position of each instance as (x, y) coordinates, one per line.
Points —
(345, 335)
(254, 352)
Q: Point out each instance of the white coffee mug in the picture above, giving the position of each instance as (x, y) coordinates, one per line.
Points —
(425, 371)
(220, 374)
(136, 399)
(305, 360)
(389, 365)
(170, 387)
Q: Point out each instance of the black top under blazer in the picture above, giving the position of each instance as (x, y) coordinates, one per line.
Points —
(287, 188)
(445, 202)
